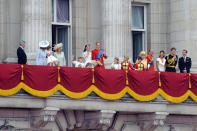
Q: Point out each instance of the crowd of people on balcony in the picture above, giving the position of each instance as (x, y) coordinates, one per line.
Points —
(95, 59)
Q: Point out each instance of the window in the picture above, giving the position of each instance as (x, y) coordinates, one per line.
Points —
(60, 35)
(137, 43)
(61, 26)
(138, 30)
(138, 17)
(60, 11)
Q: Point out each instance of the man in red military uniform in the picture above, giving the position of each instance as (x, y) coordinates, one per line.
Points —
(98, 55)
(150, 61)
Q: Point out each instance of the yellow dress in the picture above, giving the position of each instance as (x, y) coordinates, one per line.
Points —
(144, 61)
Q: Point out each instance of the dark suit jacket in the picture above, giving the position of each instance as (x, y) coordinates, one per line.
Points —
(185, 65)
(22, 58)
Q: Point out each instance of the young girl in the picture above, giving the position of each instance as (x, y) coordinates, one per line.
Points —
(115, 64)
(79, 62)
(51, 60)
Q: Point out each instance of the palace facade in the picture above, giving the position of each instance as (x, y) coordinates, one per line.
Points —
(124, 27)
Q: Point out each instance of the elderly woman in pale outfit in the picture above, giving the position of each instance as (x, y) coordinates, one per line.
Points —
(87, 54)
(59, 54)
(41, 58)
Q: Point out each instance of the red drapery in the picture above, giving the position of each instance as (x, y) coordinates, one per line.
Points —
(44, 81)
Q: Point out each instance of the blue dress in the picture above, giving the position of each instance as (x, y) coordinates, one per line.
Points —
(41, 58)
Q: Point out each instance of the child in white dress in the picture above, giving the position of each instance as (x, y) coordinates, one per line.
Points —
(79, 62)
(116, 65)
(51, 60)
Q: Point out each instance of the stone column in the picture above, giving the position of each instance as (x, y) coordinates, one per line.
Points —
(183, 28)
(116, 28)
(10, 22)
(3, 31)
(36, 25)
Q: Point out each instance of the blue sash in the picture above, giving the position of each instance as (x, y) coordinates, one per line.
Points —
(152, 63)
(99, 54)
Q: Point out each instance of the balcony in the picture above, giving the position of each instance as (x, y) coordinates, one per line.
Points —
(96, 99)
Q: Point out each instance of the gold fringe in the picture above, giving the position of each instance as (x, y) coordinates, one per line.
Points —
(100, 93)
(22, 75)
(190, 81)
(159, 79)
(93, 80)
(59, 80)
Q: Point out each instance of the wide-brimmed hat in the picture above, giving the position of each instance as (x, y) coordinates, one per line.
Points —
(57, 46)
(142, 53)
(44, 44)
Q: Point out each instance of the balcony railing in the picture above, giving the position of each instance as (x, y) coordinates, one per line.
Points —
(79, 83)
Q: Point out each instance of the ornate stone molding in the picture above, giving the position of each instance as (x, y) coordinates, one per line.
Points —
(149, 122)
(40, 118)
(70, 118)
(98, 120)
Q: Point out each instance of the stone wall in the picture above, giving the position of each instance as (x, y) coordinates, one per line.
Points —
(86, 24)
(79, 25)
(158, 16)
(10, 22)
(183, 27)
(58, 113)
(169, 23)
(3, 29)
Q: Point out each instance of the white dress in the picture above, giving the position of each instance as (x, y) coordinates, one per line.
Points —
(52, 61)
(78, 64)
(115, 66)
(87, 57)
(161, 65)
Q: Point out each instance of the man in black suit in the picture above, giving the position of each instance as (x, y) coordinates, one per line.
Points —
(185, 63)
(22, 58)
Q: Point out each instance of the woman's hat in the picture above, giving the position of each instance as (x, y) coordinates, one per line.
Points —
(142, 53)
(44, 44)
(57, 46)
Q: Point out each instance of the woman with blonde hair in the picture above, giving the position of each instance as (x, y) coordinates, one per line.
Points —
(142, 54)
(59, 54)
